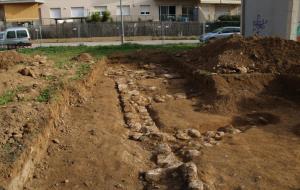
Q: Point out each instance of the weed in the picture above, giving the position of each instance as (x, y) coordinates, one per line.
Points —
(82, 70)
(7, 97)
(46, 94)
(63, 64)
(50, 78)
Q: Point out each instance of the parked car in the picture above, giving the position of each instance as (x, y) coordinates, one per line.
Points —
(15, 37)
(220, 33)
(1, 39)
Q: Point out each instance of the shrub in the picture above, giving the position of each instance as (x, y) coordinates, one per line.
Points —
(229, 18)
(94, 17)
(105, 16)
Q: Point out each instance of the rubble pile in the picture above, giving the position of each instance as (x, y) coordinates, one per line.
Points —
(246, 55)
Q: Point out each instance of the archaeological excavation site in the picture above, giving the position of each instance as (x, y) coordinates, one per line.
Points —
(220, 116)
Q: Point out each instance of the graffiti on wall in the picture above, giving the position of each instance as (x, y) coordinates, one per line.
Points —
(259, 25)
(298, 33)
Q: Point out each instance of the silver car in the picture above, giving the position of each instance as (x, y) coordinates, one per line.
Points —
(15, 37)
(220, 33)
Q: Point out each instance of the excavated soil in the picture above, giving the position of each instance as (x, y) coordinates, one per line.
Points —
(246, 55)
(158, 120)
(34, 93)
(11, 58)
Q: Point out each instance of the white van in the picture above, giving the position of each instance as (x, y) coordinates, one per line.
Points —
(15, 37)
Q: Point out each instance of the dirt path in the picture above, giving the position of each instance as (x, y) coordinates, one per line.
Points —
(91, 150)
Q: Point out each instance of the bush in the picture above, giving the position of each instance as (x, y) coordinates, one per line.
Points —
(94, 17)
(229, 18)
(105, 16)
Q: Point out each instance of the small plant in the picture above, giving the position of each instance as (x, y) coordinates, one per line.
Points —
(7, 97)
(45, 95)
(48, 93)
(82, 70)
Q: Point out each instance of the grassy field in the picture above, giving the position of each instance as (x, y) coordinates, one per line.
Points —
(64, 54)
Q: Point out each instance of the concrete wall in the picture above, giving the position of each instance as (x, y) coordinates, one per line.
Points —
(271, 18)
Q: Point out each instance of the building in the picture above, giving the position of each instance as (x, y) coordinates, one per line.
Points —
(57, 11)
(262, 19)
(20, 11)
(210, 10)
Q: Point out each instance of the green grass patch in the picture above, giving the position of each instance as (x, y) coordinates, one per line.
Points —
(82, 70)
(7, 97)
(63, 64)
(48, 93)
(62, 55)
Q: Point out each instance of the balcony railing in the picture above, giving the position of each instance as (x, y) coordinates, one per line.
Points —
(179, 18)
(221, 1)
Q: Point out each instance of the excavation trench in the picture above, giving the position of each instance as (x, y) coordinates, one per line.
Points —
(21, 168)
(151, 125)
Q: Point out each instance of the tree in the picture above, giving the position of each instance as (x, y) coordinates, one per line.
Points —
(94, 17)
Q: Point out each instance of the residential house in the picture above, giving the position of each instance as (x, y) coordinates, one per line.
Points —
(58, 11)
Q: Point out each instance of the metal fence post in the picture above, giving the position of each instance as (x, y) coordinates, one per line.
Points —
(41, 37)
(204, 27)
(122, 23)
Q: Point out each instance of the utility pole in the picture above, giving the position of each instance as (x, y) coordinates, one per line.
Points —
(122, 24)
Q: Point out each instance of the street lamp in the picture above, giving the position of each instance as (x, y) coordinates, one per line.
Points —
(122, 24)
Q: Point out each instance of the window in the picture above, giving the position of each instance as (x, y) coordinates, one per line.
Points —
(22, 34)
(55, 13)
(1, 36)
(167, 13)
(188, 13)
(77, 12)
(125, 10)
(101, 9)
(237, 30)
(11, 35)
(145, 9)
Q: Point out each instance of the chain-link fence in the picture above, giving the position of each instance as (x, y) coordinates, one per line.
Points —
(89, 30)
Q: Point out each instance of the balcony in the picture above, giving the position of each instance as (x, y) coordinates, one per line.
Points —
(236, 2)
(20, 1)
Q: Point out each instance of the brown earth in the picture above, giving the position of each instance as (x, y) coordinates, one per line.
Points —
(157, 120)
(27, 87)
(93, 150)
(83, 57)
(10, 58)
(246, 55)
(263, 105)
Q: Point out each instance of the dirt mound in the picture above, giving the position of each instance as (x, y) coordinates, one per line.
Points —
(10, 58)
(245, 55)
(84, 57)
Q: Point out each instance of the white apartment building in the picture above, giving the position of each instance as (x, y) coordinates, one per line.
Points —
(56, 11)
(134, 10)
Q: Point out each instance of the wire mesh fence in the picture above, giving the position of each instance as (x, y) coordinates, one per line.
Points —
(110, 29)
